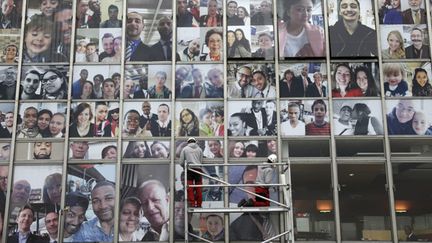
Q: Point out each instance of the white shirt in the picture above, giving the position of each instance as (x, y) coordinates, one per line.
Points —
(288, 130)
(295, 43)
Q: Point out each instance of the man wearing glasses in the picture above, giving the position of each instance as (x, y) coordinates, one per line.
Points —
(242, 88)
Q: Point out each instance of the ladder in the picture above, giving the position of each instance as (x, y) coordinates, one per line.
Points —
(282, 207)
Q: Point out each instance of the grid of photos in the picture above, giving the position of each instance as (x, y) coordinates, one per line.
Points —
(99, 99)
(250, 29)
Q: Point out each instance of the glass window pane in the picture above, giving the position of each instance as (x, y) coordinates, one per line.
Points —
(412, 210)
(363, 202)
(312, 202)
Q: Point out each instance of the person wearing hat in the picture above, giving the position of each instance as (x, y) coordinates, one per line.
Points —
(75, 216)
(193, 154)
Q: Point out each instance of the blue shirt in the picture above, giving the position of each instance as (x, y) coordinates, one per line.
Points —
(76, 89)
(91, 231)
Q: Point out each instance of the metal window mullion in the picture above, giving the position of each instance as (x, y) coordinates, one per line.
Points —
(15, 124)
(386, 142)
(332, 147)
(173, 128)
(67, 122)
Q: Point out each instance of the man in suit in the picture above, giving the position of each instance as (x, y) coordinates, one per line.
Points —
(142, 91)
(257, 118)
(184, 17)
(232, 17)
(316, 89)
(63, 18)
(24, 220)
(162, 50)
(162, 126)
(136, 50)
(414, 14)
(147, 117)
(417, 49)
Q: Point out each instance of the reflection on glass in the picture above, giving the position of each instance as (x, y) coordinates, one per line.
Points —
(410, 181)
(313, 202)
(363, 203)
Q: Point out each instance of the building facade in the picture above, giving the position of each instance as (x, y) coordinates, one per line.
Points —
(98, 99)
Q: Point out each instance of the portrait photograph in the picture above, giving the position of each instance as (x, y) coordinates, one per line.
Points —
(262, 42)
(9, 76)
(145, 191)
(159, 82)
(239, 42)
(419, 76)
(91, 198)
(98, 45)
(301, 20)
(93, 150)
(404, 42)
(9, 48)
(401, 12)
(188, 14)
(355, 79)
(204, 119)
(5, 149)
(34, 120)
(250, 149)
(149, 31)
(36, 195)
(146, 149)
(304, 117)
(395, 79)
(135, 84)
(409, 117)
(210, 13)
(211, 44)
(239, 12)
(357, 117)
(11, 17)
(96, 82)
(152, 120)
(303, 80)
(7, 118)
(199, 81)
(188, 43)
(40, 151)
(261, 12)
(251, 80)
(44, 83)
(361, 39)
(252, 118)
(212, 149)
(94, 119)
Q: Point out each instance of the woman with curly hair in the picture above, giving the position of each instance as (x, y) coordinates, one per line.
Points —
(189, 124)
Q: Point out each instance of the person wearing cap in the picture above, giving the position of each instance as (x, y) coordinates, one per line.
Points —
(264, 176)
(193, 154)
(75, 216)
